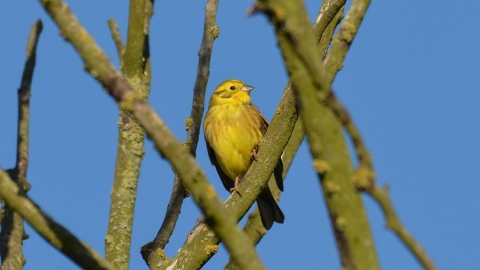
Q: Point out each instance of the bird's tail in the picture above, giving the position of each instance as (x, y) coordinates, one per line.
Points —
(269, 209)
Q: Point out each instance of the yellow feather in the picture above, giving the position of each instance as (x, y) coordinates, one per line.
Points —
(233, 127)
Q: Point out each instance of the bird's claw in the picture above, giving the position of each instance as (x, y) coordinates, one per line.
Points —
(235, 186)
(253, 154)
(235, 190)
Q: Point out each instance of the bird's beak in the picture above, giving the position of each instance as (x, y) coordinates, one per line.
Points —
(247, 88)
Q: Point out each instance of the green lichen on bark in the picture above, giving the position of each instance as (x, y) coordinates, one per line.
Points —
(135, 66)
(324, 132)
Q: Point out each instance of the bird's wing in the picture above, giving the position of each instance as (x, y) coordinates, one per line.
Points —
(278, 171)
(263, 120)
(226, 181)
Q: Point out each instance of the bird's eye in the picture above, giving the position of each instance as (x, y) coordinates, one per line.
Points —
(232, 87)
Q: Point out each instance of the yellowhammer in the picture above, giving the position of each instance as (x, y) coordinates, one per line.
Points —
(233, 128)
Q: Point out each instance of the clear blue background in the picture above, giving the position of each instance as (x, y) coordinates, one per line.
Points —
(410, 81)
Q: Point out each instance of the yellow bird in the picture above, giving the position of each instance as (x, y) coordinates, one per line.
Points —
(233, 128)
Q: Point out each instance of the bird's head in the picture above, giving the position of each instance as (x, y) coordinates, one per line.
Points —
(231, 91)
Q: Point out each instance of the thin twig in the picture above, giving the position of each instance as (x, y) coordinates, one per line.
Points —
(12, 233)
(326, 16)
(59, 237)
(24, 104)
(364, 180)
(393, 222)
(221, 221)
(117, 38)
(193, 123)
(344, 38)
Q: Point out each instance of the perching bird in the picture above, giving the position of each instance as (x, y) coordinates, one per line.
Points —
(233, 128)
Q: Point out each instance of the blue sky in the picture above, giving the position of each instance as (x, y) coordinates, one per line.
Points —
(410, 81)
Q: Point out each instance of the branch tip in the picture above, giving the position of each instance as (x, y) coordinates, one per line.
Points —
(252, 11)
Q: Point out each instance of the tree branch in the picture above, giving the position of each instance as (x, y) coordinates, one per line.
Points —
(117, 38)
(97, 63)
(344, 38)
(331, 12)
(254, 228)
(364, 180)
(59, 237)
(130, 139)
(393, 222)
(11, 236)
(13, 233)
(193, 123)
(365, 173)
(324, 133)
(328, 11)
(292, 147)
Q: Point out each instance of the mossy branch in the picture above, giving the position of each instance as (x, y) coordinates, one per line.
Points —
(328, 11)
(323, 30)
(365, 173)
(324, 133)
(55, 234)
(327, 20)
(192, 125)
(344, 38)
(97, 63)
(254, 228)
(135, 64)
(12, 234)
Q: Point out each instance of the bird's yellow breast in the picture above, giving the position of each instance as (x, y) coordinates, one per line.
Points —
(233, 130)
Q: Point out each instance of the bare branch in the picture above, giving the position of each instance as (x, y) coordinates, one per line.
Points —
(324, 132)
(254, 228)
(394, 223)
(59, 237)
(11, 236)
(365, 173)
(331, 12)
(324, 38)
(193, 123)
(328, 11)
(117, 38)
(97, 63)
(24, 105)
(344, 38)
(364, 180)
(136, 69)
(292, 147)
(13, 233)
